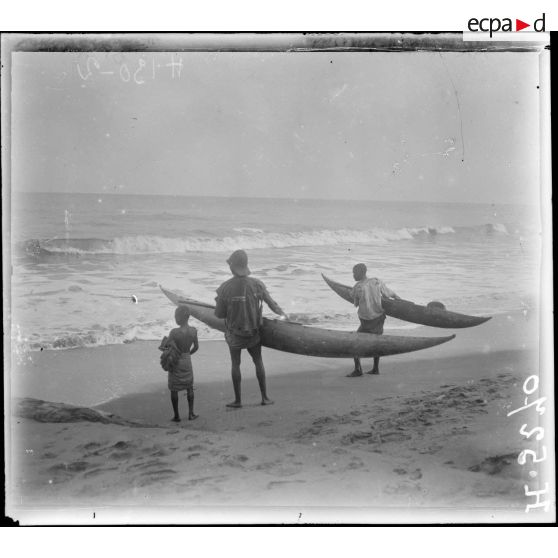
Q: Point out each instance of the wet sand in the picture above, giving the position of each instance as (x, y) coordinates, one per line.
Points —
(428, 440)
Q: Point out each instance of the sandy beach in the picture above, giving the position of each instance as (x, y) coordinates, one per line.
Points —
(427, 440)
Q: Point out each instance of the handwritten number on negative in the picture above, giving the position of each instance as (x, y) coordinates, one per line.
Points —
(89, 64)
(522, 457)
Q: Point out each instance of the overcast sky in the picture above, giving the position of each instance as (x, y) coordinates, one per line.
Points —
(383, 126)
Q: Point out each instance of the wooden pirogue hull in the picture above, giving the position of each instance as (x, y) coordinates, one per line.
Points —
(415, 313)
(312, 341)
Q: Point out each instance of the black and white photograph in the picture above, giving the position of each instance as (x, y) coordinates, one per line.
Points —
(260, 278)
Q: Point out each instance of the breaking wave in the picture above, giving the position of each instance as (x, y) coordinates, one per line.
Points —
(248, 238)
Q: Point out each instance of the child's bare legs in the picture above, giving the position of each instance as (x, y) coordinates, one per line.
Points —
(190, 396)
(174, 401)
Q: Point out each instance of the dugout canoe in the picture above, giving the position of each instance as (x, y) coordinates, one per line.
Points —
(415, 313)
(296, 338)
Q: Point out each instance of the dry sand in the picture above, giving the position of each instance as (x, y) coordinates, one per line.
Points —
(427, 440)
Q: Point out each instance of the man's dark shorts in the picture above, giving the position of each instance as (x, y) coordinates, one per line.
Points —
(372, 326)
(240, 342)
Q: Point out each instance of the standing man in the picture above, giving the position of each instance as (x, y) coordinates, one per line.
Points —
(239, 301)
(367, 296)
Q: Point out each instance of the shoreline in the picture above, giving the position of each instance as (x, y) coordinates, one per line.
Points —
(95, 375)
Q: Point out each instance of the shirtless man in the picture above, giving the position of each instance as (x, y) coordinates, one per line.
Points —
(367, 296)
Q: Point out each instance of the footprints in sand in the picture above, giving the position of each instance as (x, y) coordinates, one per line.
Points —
(419, 424)
(276, 464)
(408, 485)
(198, 450)
(97, 461)
(61, 472)
(413, 475)
(75, 467)
(152, 464)
(161, 452)
(151, 477)
(234, 460)
(404, 488)
(327, 425)
(196, 447)
(139, 464)
(345, 464)
(98, 471)
(205, 481)
(92, 446)
(423, 423)
(119, 450)
(282, 483)
(376, 436)
(278, 468)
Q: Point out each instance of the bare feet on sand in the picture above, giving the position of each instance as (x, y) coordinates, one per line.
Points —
(175, 419)
(192, 416)
(235, 404)
(354, 374)
(374, 371)
(266, 401)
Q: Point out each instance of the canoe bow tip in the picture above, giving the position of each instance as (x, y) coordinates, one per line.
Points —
(482, 320)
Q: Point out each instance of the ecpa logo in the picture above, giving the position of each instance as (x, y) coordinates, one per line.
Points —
(505, 25)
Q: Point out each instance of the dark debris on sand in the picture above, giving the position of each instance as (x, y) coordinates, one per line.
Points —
(46, 411)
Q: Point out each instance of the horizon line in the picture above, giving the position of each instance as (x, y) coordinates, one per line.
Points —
(217, 196)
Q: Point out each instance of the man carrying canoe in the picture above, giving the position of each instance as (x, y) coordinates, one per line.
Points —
(367, 297)
(239, 301)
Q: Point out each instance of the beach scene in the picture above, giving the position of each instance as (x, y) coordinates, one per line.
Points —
(137, 171)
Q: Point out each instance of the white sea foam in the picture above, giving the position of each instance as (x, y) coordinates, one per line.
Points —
(430, 231)
(243, 230)
(129, 333)
(248, 239)
(97, 338)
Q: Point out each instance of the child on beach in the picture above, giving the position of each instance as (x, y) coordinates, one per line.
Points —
(181, 377)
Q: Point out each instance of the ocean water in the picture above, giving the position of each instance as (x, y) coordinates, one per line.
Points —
(77, 259)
